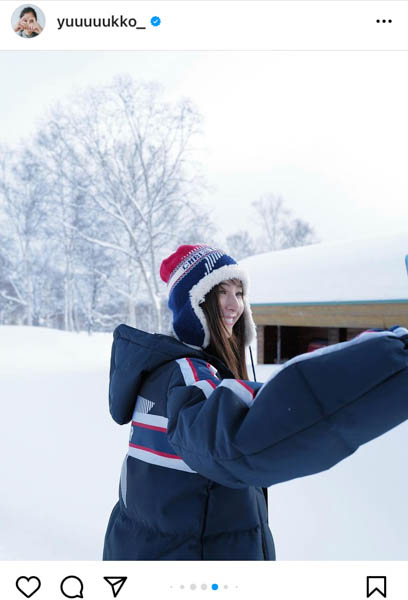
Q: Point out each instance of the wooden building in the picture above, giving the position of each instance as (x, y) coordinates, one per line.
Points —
(304, 298)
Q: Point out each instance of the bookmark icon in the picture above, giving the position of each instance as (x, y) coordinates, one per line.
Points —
(376, 585)
(116, 584)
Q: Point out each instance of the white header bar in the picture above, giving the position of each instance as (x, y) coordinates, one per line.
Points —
(211, 25)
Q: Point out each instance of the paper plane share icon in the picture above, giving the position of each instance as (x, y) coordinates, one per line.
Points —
(116, 584)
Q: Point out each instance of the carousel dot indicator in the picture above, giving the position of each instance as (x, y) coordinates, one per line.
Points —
(214, 586)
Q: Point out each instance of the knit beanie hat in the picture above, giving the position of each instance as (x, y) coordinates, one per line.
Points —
(190, 273)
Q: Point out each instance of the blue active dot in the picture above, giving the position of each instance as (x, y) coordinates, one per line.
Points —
(214, 586)
(155, 21)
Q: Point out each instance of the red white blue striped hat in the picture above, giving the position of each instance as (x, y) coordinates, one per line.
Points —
(190, 273)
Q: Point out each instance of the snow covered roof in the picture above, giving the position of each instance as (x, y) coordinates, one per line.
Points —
(363, 270)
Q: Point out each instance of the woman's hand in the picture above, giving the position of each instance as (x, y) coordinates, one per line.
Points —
(20, 25)
(34, 28)
(29, 27)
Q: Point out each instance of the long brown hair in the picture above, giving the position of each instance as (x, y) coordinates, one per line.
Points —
(231, 350)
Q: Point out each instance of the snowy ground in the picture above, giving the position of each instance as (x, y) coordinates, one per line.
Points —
(62, 455)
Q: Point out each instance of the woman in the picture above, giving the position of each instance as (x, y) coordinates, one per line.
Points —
(28, 26)
(204, 439)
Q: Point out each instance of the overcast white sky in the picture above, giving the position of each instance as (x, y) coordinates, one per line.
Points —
(328, 131)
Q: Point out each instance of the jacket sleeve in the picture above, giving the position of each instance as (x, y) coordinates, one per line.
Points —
(317, 410)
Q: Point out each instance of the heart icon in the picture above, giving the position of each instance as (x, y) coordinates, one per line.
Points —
(28, 585)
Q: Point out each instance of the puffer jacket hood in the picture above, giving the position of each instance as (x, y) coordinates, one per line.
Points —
(135, 354)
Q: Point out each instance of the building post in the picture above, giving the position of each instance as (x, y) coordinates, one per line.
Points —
(260, 342)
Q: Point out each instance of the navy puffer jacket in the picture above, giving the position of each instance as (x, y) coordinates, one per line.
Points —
(202, 443)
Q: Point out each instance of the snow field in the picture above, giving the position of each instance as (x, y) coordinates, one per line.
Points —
(62, 456)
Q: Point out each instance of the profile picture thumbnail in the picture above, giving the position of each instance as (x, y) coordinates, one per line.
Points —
(28, 21)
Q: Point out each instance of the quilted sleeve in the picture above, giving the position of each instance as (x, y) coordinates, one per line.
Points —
(317, 410)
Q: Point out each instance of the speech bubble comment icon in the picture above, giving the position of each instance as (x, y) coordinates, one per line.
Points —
(72, 587)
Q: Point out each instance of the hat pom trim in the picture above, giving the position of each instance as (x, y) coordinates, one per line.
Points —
(201, 289)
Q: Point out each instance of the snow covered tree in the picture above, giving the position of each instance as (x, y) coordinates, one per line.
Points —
(21, 191)
(240, 245)
(105, 192)
(298, 233)
(130, 155)
(271, 215)
(9, 309)
(278, 228)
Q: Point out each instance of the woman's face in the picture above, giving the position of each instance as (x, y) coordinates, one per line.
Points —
(28, 21)
(231, 303)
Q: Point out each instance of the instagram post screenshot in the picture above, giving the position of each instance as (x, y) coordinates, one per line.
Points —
(203, 299)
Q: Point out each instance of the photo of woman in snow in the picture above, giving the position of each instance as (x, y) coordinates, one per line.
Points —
(205, 439)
